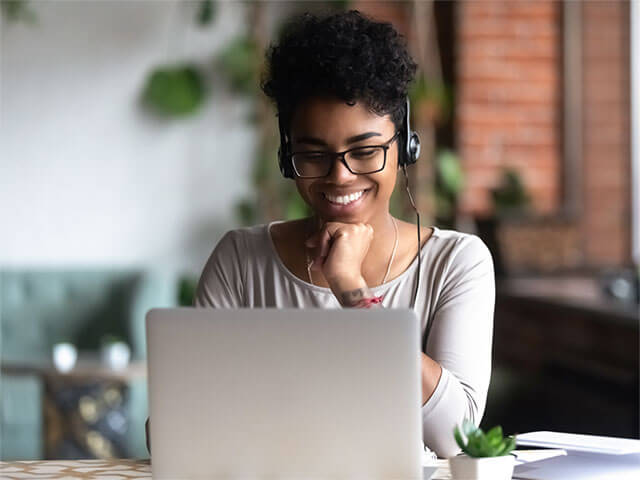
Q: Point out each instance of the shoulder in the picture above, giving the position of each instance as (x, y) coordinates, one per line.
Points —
(236, 245)
(461, 243)
(462, 266)
(243, 238)
(461, 251)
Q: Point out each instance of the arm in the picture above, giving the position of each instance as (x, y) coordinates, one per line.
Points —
(460, 342)
(221, 283)
(342, 271)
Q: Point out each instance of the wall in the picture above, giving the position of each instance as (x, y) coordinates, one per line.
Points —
(606, 216)
(508, 73)
(87, 177)
(511, 112)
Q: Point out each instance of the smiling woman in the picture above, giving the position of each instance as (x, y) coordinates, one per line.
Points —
(340, 85)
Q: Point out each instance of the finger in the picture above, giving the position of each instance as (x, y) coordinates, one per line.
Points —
(317, 264)
(324, 246)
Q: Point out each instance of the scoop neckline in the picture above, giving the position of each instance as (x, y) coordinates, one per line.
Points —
(383, 286)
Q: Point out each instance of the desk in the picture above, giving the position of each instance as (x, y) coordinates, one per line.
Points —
(112, 469)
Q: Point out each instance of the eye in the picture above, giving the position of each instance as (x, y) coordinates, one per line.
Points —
(315, 157)
(365, 153)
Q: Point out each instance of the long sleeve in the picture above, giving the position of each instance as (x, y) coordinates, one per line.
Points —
(221, 283)
(460, 341)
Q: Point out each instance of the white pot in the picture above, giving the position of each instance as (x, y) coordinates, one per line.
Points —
(464, 467)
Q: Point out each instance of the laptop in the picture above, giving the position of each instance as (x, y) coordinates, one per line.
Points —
(284, 393)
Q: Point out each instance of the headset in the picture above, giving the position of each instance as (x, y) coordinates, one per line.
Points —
(409, 152)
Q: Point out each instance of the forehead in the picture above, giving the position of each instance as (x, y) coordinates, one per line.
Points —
(333, 119)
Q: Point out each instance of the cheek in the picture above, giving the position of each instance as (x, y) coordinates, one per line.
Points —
(387, 182)
(304, 190)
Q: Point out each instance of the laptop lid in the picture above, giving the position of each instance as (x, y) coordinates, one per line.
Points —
(284, 392)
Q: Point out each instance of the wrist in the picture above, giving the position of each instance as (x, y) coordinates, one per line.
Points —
(346, 283)
(354, 292)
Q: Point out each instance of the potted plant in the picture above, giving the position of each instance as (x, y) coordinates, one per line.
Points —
(485, 456)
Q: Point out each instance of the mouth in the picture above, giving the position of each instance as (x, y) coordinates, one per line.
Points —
(345, 203)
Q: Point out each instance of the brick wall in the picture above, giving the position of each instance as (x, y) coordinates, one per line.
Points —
(508, 80)
(508, 59)
(606, 215)
(510, 114)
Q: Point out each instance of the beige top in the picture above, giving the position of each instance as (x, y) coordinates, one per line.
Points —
(456, 295)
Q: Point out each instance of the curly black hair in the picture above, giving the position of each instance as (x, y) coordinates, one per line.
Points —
(345, 55)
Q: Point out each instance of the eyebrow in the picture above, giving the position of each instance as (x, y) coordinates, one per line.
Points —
(354, 139)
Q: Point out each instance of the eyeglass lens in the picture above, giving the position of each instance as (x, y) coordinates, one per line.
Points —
(360, 161)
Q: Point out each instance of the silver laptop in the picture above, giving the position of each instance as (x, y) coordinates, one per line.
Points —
(284, 393)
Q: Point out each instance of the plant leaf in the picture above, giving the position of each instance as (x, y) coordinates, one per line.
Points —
(468, 427)
(511, 445)
(494, 436)
(458, 436)
(206, 12)
(175, 91)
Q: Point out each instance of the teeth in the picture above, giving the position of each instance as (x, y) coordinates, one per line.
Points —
(345, 199)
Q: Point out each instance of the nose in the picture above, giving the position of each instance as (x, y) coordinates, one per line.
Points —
(339, 171)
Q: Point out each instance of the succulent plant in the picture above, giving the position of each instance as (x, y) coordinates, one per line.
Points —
(480, 444)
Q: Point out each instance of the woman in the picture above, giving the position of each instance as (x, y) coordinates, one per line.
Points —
(340, 85)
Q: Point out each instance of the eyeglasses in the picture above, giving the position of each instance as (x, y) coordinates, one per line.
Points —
(358, 160)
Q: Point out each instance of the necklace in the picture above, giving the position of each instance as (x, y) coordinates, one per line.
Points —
(393, 254)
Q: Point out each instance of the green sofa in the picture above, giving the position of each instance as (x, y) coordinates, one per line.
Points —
(39, 308)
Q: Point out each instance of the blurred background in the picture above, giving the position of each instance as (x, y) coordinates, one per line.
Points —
(134, 134)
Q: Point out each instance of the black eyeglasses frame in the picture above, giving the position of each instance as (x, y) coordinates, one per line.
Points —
(385, 146)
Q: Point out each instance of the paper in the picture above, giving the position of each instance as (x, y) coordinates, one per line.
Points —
(579, 443)
(582, 466)
(525, 456)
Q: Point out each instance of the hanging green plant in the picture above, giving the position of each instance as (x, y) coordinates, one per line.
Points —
(450, 172)
(246, 211)
(432, 99)
(207, 11)
(174, 91)
(187, 286)
(449, 184)
(239, 62)
(17, 10)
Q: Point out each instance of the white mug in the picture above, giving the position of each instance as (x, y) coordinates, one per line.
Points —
(64, 356)
(116, 355)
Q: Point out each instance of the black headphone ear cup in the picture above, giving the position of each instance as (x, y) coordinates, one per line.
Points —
(414, 147)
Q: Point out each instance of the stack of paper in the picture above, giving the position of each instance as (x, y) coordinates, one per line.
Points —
(588, 457)
(579, 443)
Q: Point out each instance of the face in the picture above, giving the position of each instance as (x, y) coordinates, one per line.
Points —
(332, 125)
